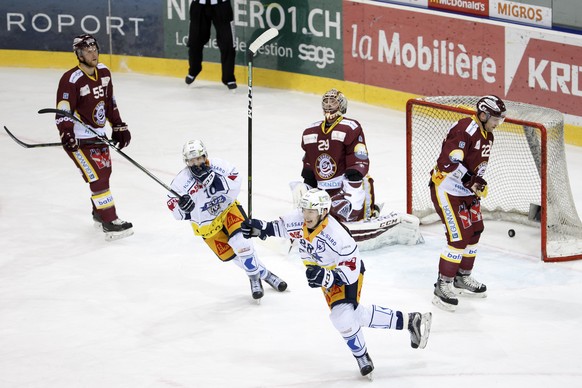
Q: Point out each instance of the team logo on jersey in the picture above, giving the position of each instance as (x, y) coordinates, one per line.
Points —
(295, 234)
(213, 206)
(101, 157)
(232, 219)
(325, 166)
(172, 203)
(360, 151)
(221, 247)
(84, 91)
(99, 114)
(351, 263)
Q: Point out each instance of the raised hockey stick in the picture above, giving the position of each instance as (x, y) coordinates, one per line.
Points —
(265, 37)
(111, 144)
(28, 145)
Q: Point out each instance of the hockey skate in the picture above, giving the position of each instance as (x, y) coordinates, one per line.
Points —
(117, 229)
(366, 365)
(97, 220)
(275, 281)
(256, 287)
(444, 296)
(466, 285)
(419, 328)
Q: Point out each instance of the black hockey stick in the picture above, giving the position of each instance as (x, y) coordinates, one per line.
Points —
(253, 47)
(28, 145)
(111, 144)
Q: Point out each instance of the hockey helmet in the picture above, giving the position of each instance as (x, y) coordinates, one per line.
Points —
(333, 104)
(316, 199)
(84, 41)
(193, 149)
(492, 106)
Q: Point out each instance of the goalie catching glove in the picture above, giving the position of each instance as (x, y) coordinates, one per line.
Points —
(121, 135)
(322, 277)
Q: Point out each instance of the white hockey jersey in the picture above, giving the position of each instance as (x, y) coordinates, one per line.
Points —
(211, 203)
(329, 245)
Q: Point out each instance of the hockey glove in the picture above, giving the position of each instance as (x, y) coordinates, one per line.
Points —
(256, 228)
(203, 174)
(476, 184)
(69, 141)
(121, 135)
(321, 277)
(353, 175)
(186, 203)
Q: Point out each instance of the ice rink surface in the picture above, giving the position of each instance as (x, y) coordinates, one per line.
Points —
(158, 310)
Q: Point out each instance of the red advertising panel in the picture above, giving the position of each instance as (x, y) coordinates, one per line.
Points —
(421, 53)
(549, 74)
(475, 7)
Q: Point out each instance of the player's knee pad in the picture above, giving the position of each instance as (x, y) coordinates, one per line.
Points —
(241, 246)
(343, 318)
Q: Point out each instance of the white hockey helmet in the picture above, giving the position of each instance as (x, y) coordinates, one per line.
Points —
(193, 149)
(316, 199)
(334, 103)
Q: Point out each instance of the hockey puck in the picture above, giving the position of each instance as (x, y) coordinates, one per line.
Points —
(511, 232)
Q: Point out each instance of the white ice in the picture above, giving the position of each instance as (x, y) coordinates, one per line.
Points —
(158, 310)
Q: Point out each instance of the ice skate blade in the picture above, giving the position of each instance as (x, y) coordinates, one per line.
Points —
(425, 324)
(112, 236)
(442, 305)
(370, 376)
(469, 294)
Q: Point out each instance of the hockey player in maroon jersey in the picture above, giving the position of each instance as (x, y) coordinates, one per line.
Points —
(457, 186)
(87, 92)
(336, 160)
(334, 265)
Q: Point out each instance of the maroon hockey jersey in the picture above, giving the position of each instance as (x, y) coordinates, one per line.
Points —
(467, 147)
(330, 151)
(90, 98)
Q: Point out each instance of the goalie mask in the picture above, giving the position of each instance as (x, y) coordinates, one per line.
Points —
(315, 199)
(493, 107)
(82, 42)
(193, 149)
(334, 103)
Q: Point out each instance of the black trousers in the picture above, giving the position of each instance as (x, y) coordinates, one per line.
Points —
(202, 16)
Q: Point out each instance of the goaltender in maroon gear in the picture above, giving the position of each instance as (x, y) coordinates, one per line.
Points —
(336, 160)
(456, 187)
(87, 92)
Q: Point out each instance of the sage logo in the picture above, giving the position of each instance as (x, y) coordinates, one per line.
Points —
(322, 56)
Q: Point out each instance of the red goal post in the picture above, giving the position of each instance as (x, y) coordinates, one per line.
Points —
(527, 173)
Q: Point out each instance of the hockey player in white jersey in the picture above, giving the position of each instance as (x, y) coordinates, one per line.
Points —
(209, 190)
(333, 264)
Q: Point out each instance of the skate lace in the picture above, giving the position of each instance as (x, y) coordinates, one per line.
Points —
(273, 280)
(471, 282)
(446, 288)
(255, 285)
(363, 361)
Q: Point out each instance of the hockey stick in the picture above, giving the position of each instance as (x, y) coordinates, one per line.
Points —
(111, 144)
(27, 145)
(253, 48)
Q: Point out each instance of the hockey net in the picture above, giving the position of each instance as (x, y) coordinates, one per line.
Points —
(527, 174)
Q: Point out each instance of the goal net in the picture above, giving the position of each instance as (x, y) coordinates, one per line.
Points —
(526, 174)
